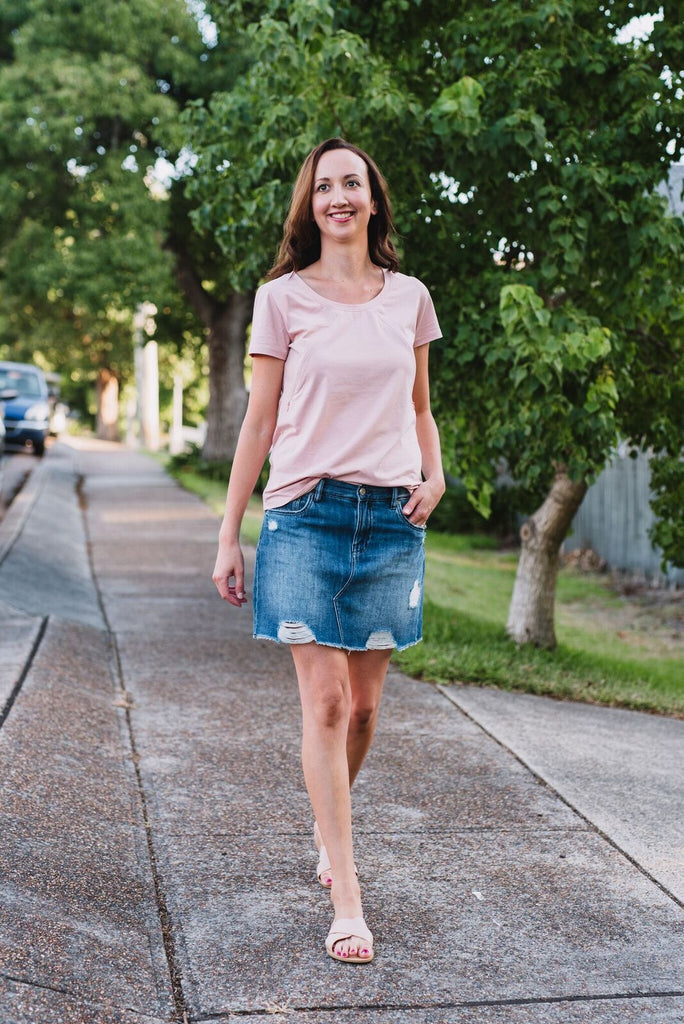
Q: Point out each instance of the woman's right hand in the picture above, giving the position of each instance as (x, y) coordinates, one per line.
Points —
(230, 566)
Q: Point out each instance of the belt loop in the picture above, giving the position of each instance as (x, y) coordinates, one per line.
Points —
(318, 493)
(395, 496)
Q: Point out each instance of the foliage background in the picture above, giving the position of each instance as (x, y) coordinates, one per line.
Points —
(523, 143)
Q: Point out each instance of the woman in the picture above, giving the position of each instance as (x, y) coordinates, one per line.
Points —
(340, 398)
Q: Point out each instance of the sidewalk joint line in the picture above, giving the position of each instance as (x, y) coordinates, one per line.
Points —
(593, 827)
(464, 1004)
(74, 996)
(24, 672)
(43, 986)
(175, 974)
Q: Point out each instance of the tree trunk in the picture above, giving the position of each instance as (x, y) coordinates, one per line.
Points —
(107, 419)
(227, 324)
(531, 612)
(227, 394)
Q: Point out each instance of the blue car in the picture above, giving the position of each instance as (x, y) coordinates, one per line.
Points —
(26, 416)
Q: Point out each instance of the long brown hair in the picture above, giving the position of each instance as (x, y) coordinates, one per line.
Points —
(301, 244)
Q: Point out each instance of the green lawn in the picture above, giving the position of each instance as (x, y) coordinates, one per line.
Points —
(611, 650)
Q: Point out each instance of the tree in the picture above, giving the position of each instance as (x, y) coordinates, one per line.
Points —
(524, 144)
(588, 272)
(84, 104)
(201, 272)
(90, 100)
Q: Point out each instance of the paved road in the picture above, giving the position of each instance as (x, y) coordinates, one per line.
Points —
(157, 860)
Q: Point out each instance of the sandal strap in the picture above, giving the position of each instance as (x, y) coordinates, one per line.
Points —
(347, 928)
(323, 862)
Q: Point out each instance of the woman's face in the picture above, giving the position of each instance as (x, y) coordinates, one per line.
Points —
(341, 201)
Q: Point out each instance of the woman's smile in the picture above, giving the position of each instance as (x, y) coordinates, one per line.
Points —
(341, 193)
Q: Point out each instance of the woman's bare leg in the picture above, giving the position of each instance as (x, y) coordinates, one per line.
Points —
(367, 671)
(325, 691)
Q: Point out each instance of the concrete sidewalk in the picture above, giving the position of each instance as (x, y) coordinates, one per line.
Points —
(518, 856)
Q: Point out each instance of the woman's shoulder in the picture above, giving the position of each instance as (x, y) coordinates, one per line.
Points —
(277, 294)
(277, 286)
(407, 283)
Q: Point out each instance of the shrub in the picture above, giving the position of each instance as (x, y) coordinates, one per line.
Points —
(455, 514)
(192, 461)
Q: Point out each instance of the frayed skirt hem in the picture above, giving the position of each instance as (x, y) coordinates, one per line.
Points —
(338, 646)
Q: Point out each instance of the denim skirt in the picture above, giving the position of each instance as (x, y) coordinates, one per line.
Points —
(341, 566)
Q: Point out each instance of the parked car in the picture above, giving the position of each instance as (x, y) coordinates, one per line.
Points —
(26, 415)
(6, 394)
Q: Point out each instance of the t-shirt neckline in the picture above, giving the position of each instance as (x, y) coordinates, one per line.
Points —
(346, 305)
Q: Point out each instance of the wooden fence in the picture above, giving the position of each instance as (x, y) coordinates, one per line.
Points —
(615, 517)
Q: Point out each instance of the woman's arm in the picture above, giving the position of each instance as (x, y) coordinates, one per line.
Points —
(426, 496)
(254, 442)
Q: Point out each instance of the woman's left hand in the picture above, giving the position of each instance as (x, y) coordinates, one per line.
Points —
(423, 500)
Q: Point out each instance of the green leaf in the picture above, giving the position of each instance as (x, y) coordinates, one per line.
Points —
(457, 108)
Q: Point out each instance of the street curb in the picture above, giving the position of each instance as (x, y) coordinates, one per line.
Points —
(14, 521)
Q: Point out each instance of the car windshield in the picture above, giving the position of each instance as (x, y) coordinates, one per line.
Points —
(27, 384)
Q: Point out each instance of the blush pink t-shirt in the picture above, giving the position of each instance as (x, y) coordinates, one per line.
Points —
(346, 408)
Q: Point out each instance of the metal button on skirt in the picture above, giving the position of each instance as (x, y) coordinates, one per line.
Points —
(341, 566)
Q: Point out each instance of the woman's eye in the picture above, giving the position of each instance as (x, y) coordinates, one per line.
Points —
(321, 188)
(357, 183)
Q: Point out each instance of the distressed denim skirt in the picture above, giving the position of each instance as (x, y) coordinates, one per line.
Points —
(341, 566)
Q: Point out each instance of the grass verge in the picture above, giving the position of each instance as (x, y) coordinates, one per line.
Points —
(460, 648)
(612, 651)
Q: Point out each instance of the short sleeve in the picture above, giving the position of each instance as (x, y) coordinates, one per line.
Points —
(427, 324)
(269, 335)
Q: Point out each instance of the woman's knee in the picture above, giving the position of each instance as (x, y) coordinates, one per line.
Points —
(364, 713)
(326, 701)
(330, 706)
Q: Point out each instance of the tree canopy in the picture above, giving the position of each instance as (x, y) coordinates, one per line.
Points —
(89, 99)
(523, 143)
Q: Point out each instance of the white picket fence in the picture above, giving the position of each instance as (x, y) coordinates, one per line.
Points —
(615, 517)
